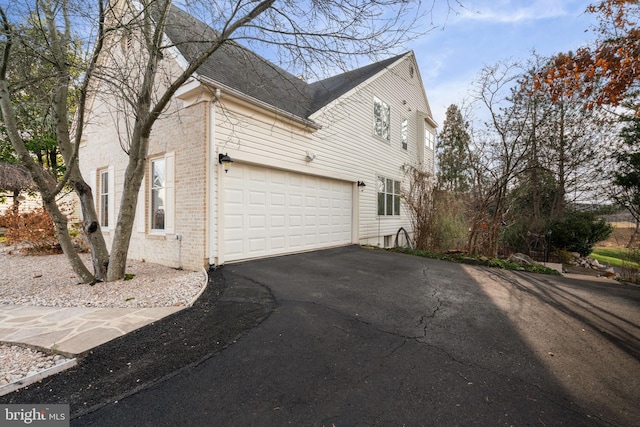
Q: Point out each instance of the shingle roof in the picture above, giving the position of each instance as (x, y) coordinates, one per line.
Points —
(332, 88)
(237, 67)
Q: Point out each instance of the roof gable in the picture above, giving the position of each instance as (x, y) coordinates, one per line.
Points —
(238, 68)
(328, 90)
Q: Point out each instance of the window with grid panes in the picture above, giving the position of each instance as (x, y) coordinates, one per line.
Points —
(388, 197)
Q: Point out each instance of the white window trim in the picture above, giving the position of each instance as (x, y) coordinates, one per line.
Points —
(404, 133)
(387, 125)
(396, 197)
(141, 224)
(169, 213)
(429, 137)
(96, 185)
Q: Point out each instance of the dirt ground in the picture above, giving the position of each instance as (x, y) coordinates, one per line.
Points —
(619, 238)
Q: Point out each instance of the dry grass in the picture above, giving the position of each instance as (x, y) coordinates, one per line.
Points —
(619, 238)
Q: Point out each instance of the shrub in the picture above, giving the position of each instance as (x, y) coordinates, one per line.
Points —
(34, 229)
(578, 232)
(437, 216)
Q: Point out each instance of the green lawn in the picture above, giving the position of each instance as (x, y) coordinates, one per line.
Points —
(618, 257)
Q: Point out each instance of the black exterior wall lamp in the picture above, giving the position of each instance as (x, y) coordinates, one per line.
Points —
(225, 161)
(361, 185)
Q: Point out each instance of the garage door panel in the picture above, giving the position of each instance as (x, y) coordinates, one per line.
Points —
(296, 180)
(278, 177)
(278, 221)
(234, 248)
(295, 221)
(257, 221)
(258, 176)
(311, 220)
(234, 222)
(323, 220)
(278, 199)
(257, 245)
(295, 243)
(234, 196)
(271, 212)
(257, 199)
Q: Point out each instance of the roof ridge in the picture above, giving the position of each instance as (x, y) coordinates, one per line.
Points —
(242, 69)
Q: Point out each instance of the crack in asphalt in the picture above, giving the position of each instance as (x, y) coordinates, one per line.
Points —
(419, 339)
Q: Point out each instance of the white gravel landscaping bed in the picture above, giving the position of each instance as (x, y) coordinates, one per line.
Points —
(18, 362)
(47, 280)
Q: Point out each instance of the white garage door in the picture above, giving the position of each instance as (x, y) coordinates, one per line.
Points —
(271, 212)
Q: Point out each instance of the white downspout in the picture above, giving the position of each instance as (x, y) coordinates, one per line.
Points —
(212, 181)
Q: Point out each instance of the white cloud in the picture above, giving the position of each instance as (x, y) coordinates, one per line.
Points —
(446, 93)
(510, 12)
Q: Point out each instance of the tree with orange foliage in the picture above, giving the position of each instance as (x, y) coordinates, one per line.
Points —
(606, 73)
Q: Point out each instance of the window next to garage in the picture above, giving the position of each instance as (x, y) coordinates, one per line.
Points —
(388, 197)
(161, 194)
(381, 119)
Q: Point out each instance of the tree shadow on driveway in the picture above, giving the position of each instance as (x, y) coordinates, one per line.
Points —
(586, 331)
(366, 337)
(351, 337)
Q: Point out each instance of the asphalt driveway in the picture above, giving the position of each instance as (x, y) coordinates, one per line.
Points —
(355, 337)
(367, 337)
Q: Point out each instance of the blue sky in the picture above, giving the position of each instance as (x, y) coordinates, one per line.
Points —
(485, 32)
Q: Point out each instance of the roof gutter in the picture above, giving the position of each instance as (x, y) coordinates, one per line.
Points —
(236, 93)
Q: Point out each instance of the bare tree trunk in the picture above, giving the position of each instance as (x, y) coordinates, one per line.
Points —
(62, 232)
(58, 46)
(16, 201)
(38, 175)
(632, 239)
(91, 227)
(559, 202)
(90, 223)
(124, 227)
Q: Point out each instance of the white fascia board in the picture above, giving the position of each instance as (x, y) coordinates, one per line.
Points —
(430, 120)
(424, 92)
(307, 123)
(175, 54)
(188, 89)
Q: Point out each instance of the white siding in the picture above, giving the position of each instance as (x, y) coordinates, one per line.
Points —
(345, 147)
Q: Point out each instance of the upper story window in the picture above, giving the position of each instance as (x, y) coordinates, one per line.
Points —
(388, 197)
(429, 137)
(404, 133)
(381, 119)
